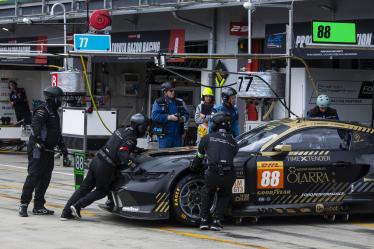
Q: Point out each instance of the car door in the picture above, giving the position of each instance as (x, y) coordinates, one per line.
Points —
(319, 168)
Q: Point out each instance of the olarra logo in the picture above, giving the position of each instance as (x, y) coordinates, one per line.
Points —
(300, 177)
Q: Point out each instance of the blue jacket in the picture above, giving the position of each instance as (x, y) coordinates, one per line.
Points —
(160, 114)
(330, 113)
(233, 111)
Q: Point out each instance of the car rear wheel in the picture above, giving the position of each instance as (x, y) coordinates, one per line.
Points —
(186, 201)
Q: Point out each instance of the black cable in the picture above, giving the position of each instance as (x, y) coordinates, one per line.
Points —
(226, 72)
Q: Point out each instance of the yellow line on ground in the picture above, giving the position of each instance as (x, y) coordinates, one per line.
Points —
(205, 237)
(366, 225)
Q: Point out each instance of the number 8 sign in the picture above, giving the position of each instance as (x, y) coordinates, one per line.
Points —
(270, 175)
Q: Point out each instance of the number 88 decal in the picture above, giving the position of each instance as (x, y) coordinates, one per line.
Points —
(270, 175)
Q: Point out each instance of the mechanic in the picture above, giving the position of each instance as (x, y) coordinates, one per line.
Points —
(113, 155)
(45, 135)
(220, 148)
(18, 99)
(323, 109)
(203, 113)
(228, 96)
(169, 117)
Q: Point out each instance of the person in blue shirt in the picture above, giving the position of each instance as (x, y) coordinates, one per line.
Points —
(169, 117)
(228, 96)
(323, 109)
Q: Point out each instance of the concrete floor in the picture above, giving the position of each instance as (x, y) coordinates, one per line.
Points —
(103, 230)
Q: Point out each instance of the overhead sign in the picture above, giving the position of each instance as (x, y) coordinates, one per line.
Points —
(14, 47)
(145, 42)
(238, 29)
(92, 43)
(334, 32)
(275, 41)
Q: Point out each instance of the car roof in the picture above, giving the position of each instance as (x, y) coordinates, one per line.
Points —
(304, 123)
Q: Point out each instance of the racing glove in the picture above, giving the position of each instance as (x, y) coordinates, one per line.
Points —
(195, 165)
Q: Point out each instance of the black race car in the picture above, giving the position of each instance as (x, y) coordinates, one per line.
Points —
(287, 167)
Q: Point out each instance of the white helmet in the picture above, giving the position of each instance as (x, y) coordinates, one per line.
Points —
(323, 101)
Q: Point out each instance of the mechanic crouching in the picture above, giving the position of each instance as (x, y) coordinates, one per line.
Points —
(220, 149)
(115, 154)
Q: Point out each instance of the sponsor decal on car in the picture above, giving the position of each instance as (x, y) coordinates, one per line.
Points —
(270, 175)
(241, 198)
(130, 209)
(307, 175)
(274, 192)
(239, 186)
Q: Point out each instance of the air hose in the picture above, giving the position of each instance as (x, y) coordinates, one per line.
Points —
(91, 96)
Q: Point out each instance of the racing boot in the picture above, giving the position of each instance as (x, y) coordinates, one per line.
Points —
(76, 211)
(23, 210)
(42, 211)
(216, 225)
(66, 216)
(204, 224)
(109, 205)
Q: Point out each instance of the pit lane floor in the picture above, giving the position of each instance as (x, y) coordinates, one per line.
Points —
(102, 230)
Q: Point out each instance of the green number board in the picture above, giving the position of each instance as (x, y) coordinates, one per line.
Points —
(79, 161)
(334, 32)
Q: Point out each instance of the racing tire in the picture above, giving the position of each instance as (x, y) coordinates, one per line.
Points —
(186, 199)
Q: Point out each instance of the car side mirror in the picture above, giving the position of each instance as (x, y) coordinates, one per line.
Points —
(280, 149)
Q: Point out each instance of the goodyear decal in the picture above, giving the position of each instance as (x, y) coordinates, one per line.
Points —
(162, 203)
(270, 175)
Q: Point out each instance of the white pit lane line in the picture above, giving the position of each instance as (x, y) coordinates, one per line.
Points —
(19, 167)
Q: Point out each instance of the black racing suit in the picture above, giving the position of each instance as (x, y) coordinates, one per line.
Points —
(20, 104)
(115, 153)
(220, 148)
(45, 134)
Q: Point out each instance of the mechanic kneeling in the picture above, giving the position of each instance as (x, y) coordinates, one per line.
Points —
(115, 153)
(220, 148)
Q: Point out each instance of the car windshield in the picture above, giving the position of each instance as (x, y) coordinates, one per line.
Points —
(253, 140)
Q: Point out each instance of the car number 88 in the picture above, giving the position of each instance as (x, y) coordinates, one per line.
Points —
(270, 178)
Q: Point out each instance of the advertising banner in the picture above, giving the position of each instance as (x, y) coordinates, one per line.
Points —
(13, 48)
(145, 42)
(275, 41)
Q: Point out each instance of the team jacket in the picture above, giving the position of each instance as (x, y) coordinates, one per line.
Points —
(219, 147)
(330, 113)
(116, 151)
(164, 106)
(45, 127)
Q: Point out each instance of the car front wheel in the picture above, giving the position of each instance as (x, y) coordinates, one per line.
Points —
(186, 200)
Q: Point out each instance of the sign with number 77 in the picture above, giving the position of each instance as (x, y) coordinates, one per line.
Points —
(270, 175)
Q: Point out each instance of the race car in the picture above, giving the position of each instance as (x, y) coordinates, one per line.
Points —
(286, 167)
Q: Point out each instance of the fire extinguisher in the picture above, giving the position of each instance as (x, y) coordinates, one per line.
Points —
(252, 114)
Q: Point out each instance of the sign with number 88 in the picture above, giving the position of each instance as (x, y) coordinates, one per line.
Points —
(270, 175)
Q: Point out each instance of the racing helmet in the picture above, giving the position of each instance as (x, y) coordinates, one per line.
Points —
(139, 123)
(323, 101)
(167, 85)
(53, 96)
(221, 120)
(53, 92)
(207, 92)
(227, 92)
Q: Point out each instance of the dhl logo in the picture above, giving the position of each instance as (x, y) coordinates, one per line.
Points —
(267, 165)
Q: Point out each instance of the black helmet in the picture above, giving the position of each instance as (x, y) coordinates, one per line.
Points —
(167, 85)
(227, 92)
(221, 120)
(53, 92)
(139, 123)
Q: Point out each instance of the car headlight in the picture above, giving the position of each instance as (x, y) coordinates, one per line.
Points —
(147, 176)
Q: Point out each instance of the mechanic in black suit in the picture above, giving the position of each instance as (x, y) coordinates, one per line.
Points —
(220, 149)
(115, 154)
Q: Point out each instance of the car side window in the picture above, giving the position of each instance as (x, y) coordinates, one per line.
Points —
(362, 141)
(319, 139)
